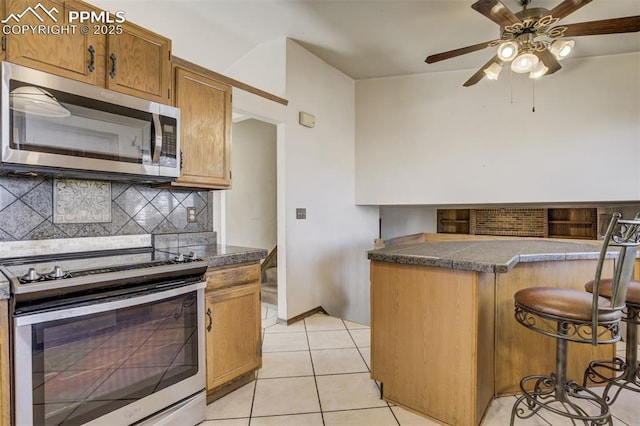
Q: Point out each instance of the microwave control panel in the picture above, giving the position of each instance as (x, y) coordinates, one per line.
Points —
(168, 155)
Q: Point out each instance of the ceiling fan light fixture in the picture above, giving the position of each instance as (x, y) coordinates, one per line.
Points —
(507, 51)
(525, 62)
(493, 71)
(539, 70)
(561, 48)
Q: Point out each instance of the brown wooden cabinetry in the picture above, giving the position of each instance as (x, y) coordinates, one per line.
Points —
(233, 327)
(579, 223)
(127, 59)
(453, 221)
(205, 127)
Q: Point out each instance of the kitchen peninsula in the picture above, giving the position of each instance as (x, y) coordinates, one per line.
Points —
(444, 341)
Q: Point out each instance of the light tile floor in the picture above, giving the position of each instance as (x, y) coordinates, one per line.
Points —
(316, 372)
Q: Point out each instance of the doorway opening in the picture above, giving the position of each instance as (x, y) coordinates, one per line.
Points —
(251, 205)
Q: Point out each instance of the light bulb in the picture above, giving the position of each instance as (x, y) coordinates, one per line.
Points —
(539, 70)
(561, 48)
(524, 63)
(493, 71)
(507, 51)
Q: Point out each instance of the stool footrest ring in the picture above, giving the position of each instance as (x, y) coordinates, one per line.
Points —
(569, 399)
(625, 376)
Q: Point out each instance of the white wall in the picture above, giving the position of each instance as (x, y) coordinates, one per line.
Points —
(397, 221)
(425, 139)
(326, 253)
(251, 205)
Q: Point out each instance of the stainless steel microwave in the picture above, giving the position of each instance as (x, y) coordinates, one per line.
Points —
(62, 127)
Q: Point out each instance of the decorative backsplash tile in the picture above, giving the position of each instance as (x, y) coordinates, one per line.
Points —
(81, 201)
(27, 210)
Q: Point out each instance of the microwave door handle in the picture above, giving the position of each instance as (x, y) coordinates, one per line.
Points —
(158, 143)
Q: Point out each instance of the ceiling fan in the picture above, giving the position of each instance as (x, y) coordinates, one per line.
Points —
(529, 39)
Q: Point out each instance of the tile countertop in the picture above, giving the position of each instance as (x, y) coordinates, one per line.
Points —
(486, 256)
(220, 255)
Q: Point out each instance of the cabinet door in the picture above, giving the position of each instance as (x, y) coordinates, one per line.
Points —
(205, 130)
(72, 55)
(138, 63)
(234, 339)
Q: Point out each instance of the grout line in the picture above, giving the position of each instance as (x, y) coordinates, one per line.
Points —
(253, 398)
(313, 370)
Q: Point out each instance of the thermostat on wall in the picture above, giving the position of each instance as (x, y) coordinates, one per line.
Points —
(308, 120)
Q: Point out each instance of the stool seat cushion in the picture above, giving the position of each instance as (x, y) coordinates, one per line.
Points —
(633, 294)
(564, 303)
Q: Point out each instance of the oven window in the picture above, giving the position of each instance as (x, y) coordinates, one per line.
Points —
(88, 366)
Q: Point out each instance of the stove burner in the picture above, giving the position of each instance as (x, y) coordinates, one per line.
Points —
(56, 274)
(181, 258)
(31, 276)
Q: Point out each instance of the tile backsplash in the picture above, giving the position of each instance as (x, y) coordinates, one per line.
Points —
(27, 209)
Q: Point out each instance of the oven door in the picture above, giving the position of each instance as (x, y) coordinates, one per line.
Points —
(110, 363)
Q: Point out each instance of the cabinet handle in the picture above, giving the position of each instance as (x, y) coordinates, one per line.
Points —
(92, 61)
(112, 73)
(210, 319)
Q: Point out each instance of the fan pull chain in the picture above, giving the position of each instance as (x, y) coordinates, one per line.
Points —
(511, 85)
(533, 95)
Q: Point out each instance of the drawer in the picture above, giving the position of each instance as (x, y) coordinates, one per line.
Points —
(233, 275)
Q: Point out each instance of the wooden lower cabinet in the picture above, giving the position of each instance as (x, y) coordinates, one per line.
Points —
(5, 378)
(232, 328)
(444, 342)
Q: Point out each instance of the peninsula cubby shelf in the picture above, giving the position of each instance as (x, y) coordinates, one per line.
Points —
(573, 223)
(578, 223)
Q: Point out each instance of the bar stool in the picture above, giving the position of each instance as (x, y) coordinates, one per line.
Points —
(577, 316)
(626, 372)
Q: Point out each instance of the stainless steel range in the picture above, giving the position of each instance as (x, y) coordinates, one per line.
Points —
(109, 338)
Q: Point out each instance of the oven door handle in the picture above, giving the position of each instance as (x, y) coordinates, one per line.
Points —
(124, 302)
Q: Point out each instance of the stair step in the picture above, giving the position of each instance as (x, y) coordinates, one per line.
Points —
(271, 274)
(269, 294)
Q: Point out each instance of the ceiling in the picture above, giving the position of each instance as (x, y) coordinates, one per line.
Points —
(368, 39)
(376, 38)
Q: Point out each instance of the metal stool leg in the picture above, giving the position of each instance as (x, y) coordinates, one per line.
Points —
(558, 395)
(621, 373)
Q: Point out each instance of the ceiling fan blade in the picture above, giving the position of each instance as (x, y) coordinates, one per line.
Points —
(549, 61)
(461, 51)
(567, 7)
(496, 11)
(630, 24)
(479, 75)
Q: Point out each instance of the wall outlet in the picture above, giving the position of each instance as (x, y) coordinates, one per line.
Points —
(191, 214)
(301, 213)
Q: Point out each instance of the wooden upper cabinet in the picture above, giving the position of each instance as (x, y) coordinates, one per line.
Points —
(122, 57)
(139, 63)
(205, 127)
(66, 55)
